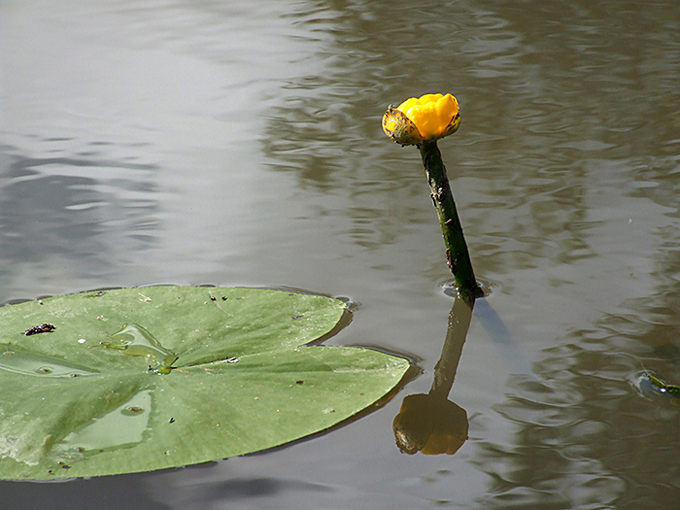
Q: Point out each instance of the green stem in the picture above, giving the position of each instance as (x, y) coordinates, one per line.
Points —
(457, 254)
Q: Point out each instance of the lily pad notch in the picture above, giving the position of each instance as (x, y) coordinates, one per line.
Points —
(132, 380)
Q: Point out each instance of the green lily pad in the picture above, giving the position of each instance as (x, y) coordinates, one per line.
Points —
(131, 380)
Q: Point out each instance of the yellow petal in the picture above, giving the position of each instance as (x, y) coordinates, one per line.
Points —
(434, 115)
(426, 120)
(408, 104)
(445, 109)
(429, 98)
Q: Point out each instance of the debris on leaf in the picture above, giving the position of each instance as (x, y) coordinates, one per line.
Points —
(43, 328)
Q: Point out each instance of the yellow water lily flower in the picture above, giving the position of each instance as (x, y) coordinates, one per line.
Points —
(422, 119)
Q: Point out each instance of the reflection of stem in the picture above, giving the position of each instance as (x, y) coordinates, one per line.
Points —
(457, 254)
(430, 423)
(445, 369)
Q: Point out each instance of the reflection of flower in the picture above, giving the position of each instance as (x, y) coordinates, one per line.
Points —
(422, 119)
(430, 425)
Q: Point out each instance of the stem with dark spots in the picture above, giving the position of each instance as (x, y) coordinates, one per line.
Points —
(457, 254)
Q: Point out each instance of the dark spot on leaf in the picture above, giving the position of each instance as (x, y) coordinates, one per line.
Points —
(224, 298)
(297, 317)
(299, 382)
(132, 410)
(43, 328)
(213, 298)
(171, 420)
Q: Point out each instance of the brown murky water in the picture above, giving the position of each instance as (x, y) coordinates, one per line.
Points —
(239, 143)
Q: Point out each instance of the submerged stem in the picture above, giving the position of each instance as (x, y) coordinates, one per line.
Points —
(457, 254)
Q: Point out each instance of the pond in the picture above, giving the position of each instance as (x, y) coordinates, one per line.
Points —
(239, 143)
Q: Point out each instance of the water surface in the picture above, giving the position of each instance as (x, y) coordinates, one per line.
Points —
(239, 143)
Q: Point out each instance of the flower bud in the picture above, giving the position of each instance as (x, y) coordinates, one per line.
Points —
(424, 119)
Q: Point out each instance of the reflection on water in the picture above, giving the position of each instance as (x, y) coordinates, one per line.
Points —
(62, 210)
(240, 143)
(430, 423)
